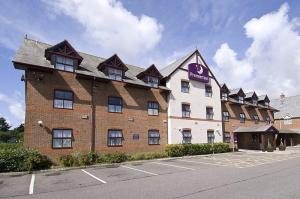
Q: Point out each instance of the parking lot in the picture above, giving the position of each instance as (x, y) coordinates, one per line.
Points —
(158, 172)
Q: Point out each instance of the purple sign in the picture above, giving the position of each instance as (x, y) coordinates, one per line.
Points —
(198, 72)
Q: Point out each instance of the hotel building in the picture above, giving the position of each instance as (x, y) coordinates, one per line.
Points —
(76, 102)
(194, 106)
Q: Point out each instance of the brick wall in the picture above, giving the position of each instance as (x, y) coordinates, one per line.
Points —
(39, 107)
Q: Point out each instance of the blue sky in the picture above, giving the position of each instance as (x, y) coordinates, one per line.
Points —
(250, 44)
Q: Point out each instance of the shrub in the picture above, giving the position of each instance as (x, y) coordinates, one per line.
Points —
(148, 156)
(78, 159)
(21, 159)
(66, 160)
(176, 150)
(4, 146)
(116, 157)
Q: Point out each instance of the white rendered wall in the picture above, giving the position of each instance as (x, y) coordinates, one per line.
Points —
(198, 103)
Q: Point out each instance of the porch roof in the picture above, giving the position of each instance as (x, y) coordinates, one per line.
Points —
(255, 128)
(289, 131)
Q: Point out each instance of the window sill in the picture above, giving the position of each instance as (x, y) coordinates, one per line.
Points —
(115, 145)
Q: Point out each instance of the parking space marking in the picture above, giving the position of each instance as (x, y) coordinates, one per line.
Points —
(93, 176)
(171, 165)
(139, 170)
(31, 186)
(198, 162)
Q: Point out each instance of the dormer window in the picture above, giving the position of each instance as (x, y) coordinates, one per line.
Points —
(241, 99)
(114, 74)
(152, 81)
(267, 103)
(64, 63)
(254, 101)
(224, 96)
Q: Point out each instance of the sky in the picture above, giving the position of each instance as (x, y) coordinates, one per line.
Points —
(253, 44)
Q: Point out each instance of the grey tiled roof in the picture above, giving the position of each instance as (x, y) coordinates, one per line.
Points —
(234, 91)
(253, 128)
(262, 97)
(289, 106)
(166, 71)
(33, 53)
(249, 94)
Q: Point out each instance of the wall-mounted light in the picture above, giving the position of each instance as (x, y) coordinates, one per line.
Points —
(40, 123)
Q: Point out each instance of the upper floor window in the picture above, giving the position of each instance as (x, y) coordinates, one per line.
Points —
(208, 91)
(224, 96)
(209, 113)
(153, 108)
(153, 137)
(225, 116)
(152, 81)
(210, 137)
(115, 104)
(242, 117)
(256, 119)
(227, 137)
(268, 121)
(241, 99)
(64, 63)
(62, 138)
(186, 136)
(63, 99)
(115, 137)
(186, 111)
(185, 87)
(114, 74)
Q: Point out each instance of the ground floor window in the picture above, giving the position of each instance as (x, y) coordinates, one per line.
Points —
(153, 137)
(227, 137)
(62, 138)
(210, 136)
(115, 137)
(186, 136)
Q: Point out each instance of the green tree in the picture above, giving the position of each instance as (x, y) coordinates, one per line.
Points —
(4, 126)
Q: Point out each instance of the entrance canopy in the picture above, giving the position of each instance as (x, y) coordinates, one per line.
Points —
(256, 129)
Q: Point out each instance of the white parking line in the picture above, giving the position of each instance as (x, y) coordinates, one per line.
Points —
(93, 176)
(197, 162)
(139, 170)
(170, 165)
(31, 186)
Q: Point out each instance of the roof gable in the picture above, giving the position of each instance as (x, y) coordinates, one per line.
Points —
(224, 88)
(113, 62)
(150, 71)
(63, 48)
(237, 91)
(251, 95)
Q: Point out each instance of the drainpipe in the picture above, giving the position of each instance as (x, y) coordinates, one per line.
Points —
(93, 117)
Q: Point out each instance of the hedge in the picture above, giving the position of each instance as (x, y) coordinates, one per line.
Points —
(177, 150)
(21, 159)
(4, 146)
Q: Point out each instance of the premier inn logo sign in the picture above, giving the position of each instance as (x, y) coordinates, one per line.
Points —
(198, 72)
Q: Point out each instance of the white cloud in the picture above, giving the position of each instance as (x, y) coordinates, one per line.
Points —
(111, 26)
(271, 63)
(15, 105)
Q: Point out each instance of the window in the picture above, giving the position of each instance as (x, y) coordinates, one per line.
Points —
(152, 81)
(64, 63)
(209, 113)
(267, 104)
(241, 99)
(114, 74)
(62, 138)
(268, 121)
(254, 101)
(242, 118)
(225, 116)
(208, 91)
(115, 137)
(153, 137)
(255, 137)
(114, 104)
(63, 99)
(210, 137)
(224, 96)
(186, 111)
(186, 137)
(227, 137)
(185, 87)
(287, 120)
(256, 119)
(153, 108)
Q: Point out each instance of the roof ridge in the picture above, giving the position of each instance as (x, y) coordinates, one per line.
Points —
(81, 52)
